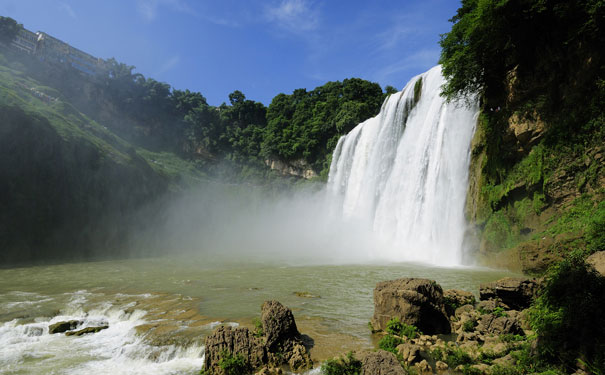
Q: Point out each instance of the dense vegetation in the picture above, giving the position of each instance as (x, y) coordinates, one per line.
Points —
(539, 69)
(239, 135)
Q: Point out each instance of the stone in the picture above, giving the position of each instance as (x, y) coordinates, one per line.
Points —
(515, 292)
(502, 325)
(409, 352)
(482, 367)
(597, 261)
(270, 371)
(86, 330)
(463, 309)
(61, 327)
(236, 341)
(278, 323)
(380, 362)
(424, 367)
(441, 366)
(454, 298)
(281, 343)
(417, 302)
(506, 361)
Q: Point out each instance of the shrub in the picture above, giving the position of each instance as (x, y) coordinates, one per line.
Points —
(390, 343)
(258, 327)
(498, 312)
(233, 364)
(567, 316)
(347, 365)
(469, 325)
(396, 327)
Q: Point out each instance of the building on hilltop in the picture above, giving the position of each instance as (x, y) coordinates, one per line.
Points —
(55, 51)
(25, 41)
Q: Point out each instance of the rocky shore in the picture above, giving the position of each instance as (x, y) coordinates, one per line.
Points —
(419, 327)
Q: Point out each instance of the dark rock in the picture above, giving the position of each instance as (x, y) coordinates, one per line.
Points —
(490, 323)
(380, 362)
(454, 298)
(463, 309)
(414, 301)
(517, 293)
(278, 323)
(86, 330)
(61, 327)
(235, 341)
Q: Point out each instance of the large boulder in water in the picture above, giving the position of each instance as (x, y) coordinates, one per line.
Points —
(280, 344)
(278, 323)
(418, 302)
(515, 292)
(61, 327)
(234, 342)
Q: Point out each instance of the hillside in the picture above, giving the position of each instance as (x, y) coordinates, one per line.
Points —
(537, 178)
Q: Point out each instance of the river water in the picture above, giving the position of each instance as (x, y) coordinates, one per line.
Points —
(160, 309)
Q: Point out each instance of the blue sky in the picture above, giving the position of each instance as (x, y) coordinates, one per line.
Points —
(261, 48)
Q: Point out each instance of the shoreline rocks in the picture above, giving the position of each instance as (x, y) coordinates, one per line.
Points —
(279, 344)
(413, 301)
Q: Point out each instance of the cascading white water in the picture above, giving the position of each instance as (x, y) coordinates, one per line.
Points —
(404, 173)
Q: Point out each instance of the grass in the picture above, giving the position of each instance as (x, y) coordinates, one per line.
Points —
(346, 365)
(74, 126)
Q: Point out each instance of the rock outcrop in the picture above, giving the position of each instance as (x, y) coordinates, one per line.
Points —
(498, 325)
(61, 327)
(86, 330)
(417, 302)
(455, 298)
(516, 293)
(280, 344)
(236, 342)
(380, 362)
(597, 261)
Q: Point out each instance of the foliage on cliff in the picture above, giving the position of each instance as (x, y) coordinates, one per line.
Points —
(539, 69)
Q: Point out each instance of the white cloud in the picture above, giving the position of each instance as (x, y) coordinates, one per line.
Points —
(68, 9)
(296, 16)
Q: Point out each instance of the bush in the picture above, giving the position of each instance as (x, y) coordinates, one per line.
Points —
(347, 365)
(233, 364)
(396, 327)
(258, 327)
(567, 316)
(469, 325)
(390, 343)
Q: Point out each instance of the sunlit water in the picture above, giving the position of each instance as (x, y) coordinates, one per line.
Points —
(159, 310)
(404, 173)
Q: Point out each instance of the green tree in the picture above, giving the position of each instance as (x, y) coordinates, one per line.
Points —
(8, 29)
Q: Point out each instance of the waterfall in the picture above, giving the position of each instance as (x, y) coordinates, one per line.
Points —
(404, 173)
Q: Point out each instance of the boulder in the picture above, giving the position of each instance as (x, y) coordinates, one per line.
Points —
(498, 325)
(86, 330)
(414, 301)
(517, 293)
(61, 327)
(441, 366)
(380, 362)
(281, 343)
(597, 261)
(409, 352)
(424, 367)
(455, 298)
(235, 341)
(278, 323)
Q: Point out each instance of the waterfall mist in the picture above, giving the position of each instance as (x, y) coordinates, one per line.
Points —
(396, 192)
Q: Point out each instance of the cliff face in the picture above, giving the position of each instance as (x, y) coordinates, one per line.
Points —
(538, 196)
(65, 198)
